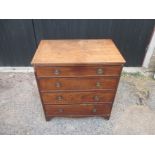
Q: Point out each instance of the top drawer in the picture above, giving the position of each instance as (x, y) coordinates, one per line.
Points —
(75, 71)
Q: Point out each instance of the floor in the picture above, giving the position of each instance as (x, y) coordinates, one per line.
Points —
(21, 111)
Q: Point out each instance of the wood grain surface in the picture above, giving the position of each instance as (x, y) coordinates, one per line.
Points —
(75, 51)
(77, 77)
(78, 97)
(77, 71)
(64, 110)
(91, 83)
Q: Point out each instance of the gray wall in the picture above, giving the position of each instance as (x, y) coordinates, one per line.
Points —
(19, 38)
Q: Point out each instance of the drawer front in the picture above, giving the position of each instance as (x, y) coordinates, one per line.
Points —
(49, 84)
(70, 110)
(73, 71)
(78, 97)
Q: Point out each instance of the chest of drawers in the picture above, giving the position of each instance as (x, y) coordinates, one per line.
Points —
(77, 78)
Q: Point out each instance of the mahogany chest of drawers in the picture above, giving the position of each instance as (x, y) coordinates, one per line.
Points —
(77, 78)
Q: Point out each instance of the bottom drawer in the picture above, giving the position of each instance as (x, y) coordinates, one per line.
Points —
(78, 110)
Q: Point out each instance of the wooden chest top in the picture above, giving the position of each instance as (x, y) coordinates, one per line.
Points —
(76, 51)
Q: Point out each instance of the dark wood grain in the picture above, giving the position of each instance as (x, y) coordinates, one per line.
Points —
(78, 71)
(91, 83)
(69, 110)
(46, 117)
(78, 97)
(75, 89)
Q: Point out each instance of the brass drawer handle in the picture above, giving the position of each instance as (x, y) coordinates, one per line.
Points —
(99, 71)
(98, 84)
(85, 104)
(58, 84)
(96, 98)
(60, 110)
(57, 72)
(59, 98)
(94, 110)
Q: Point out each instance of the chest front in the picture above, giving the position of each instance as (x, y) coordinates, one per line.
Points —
(77, 78)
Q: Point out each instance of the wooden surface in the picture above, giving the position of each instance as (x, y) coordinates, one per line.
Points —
(78, 71)
(78, 97)
(65, 110)
(49, 84)
(58, 52)
(77, 77)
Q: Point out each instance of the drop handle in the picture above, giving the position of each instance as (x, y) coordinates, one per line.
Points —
(96, 98)
(94, 110)
(57, 72)
(99, 71)
(98, 84)
(59, 98)
(58, 84)
(60, 110)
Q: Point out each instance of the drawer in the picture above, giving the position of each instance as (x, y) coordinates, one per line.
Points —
(78, 97)
(78, 110)
(53, 84)
(74, 71)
